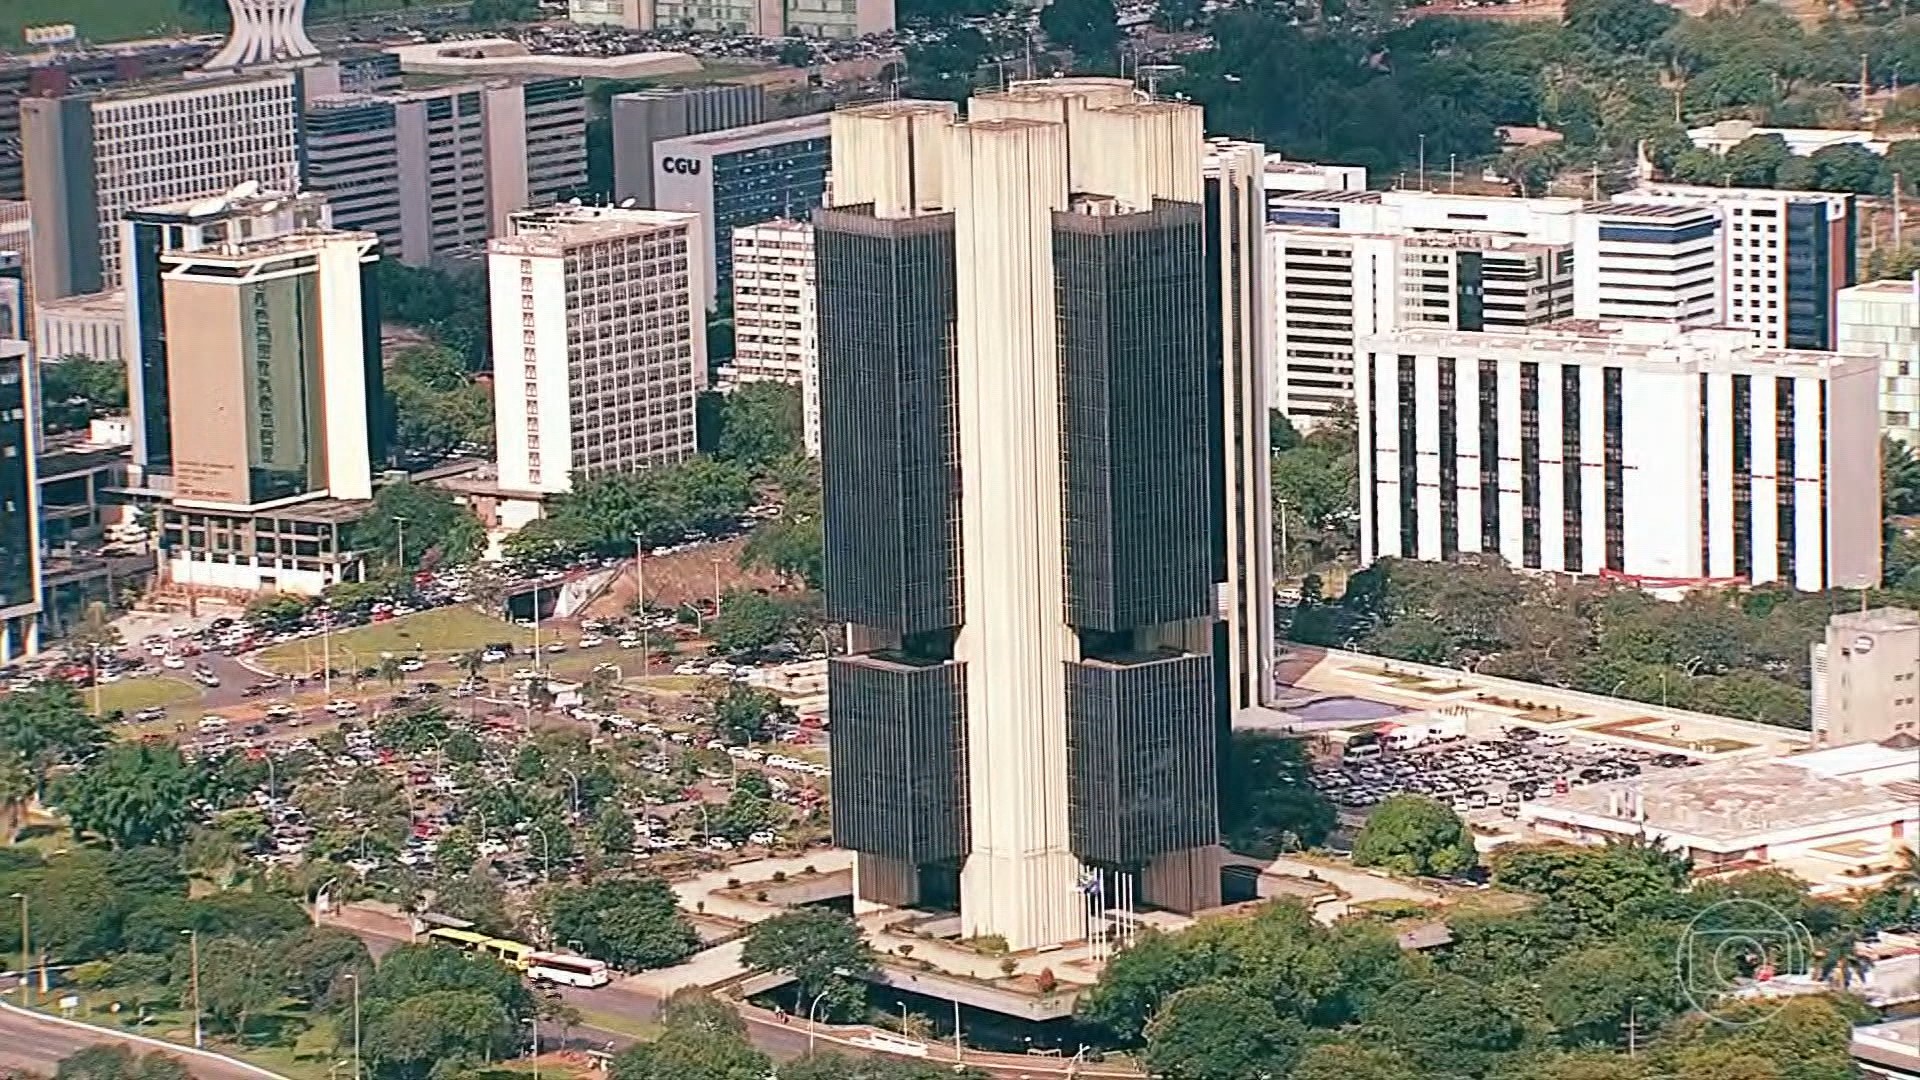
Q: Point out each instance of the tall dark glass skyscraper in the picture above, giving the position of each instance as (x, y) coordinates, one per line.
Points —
(1044, 431)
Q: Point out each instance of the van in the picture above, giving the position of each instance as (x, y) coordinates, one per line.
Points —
(1361, 751)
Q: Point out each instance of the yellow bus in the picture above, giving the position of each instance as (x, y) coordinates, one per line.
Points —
(514, 954)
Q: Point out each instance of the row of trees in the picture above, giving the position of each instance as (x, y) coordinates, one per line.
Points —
(1740, 653)
(1553, 990)
(437, 403)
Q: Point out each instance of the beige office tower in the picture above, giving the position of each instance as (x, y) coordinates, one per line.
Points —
(1027, 461)
(1866, 677)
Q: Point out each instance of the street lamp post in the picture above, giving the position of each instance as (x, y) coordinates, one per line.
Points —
(400, 525)
(320, 892)
(193, 953)
(640, 597)
(26, 953)
(817, 999)
(535, 1021)
(354, 979)
(546, 853)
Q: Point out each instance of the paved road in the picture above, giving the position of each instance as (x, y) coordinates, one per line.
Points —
(37, 1045)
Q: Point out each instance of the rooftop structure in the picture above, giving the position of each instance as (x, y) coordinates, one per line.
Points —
(1847, 810)
(265, 32)
(1802, 142)
(503, 56)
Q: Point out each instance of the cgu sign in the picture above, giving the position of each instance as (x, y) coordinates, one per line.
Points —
(681, 166)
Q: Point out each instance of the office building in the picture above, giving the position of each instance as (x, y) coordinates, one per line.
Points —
(1881, 319)
(71, 71)
(599, 343)
(1634, 450)
(625, 14)
(1282, 176)
(1784, 257)
(1343, 287)
(16, 316)
(265, 33)
(775, 325)
(158, 240)
(767, 18)
(641, 118)
(741, 176)
(274, 450)
(1349, 263)
(16, 239)
(93, 325)
(19, 503)
(436, 173)
(1038, 332)
(90, 158)
(1866, 677)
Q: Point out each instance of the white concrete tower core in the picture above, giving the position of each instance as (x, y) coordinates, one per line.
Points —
(264, 32)
(1009, 177)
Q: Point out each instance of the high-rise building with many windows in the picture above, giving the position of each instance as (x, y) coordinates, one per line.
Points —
(599, 345)
(1641, 451)
(776, 329)
(1042, 432)
(90, 158)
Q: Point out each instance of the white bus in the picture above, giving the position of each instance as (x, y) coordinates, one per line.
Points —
(568, 970)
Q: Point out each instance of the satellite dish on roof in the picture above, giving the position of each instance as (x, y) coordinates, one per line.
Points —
(573, 202)
(207, 207)
(627, 204)
(245, 189)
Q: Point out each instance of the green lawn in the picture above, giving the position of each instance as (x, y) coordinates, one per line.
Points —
(132, 695)
(438, 634)
(120, 20)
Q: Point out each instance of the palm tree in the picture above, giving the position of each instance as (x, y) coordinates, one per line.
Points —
(469, 663)
(599, 687)
(390, 669)
(1838, 960)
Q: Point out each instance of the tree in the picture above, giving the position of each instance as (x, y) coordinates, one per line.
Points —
(131, 794)
(1271, 805)
(278, 611)
(436, 529)
(1620, 25)
(1846, 167)
(475, 897)
(1220, 1033)
(48, 726)
(1340, 1061)
(315, 960)
(760, 423)
(437, 404)
(821, 949)
(793, 544)
(831, 1066)
(613, 830)
(75, 390)
(633, 923)
(1445, 1025)
(409, 1039)
(1091, 28)
(703, 1039)
(748, 622)
(239, 976)
(113, 1061)
(1899, 478)
(1413, 834)
(1592, 995)
(743, 714)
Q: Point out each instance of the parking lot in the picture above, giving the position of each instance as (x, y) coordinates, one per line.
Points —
(1487, 775)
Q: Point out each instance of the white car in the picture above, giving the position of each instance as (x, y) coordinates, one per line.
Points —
(172, 662)
(764, 838)
(719, 843)
(492, 656)
(412, 663)
(629, 642)
(557, 647)
(687, 669)
(343, 707)
(592, 641)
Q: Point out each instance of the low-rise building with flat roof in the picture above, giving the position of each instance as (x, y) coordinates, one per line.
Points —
(1838, 818)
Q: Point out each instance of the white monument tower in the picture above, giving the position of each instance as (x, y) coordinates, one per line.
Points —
(264, 32)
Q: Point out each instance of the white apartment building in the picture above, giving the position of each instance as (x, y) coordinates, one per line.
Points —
(1350, 263)
(90, 158)
(776, 329)
(1645, 451)
(1784, 255)
(599, 343)
(1881, 319)
(92, 325)
(1865, 677)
